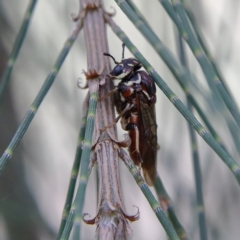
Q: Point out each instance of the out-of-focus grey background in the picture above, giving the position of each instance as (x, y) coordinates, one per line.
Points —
(33, 185)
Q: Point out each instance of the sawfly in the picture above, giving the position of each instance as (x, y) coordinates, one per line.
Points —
(135, 98)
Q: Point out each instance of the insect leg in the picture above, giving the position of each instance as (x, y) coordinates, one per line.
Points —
(108, 94)
(127, 108)
(134, 148)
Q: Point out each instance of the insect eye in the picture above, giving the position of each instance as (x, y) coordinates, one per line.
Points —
(117, 70)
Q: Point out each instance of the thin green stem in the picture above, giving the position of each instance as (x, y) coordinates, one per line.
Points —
(68, 226)
(195, 158)
(16, 47)
(227, 159)
(149, 196)
(234, 132)
(167, 206)
(8, 153)
(137, 12)
(172, 14)
(182, 75)
(235, 135)
(206, 50)
(153, 39)
(205, 120)
(85, 171)
(207, 68)
(75, 169)
(75, 213)
(198, 182)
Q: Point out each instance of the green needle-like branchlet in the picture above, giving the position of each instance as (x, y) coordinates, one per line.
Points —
(75, 169)
(149, 34)
(16, 47)
(182, 75)
(207, 52)
(76, 208)
(171, 12)
(233, 166)
(87, 145)
(205, 64)
(195, 158)
(231, 126)
(39, 98)
(137, 12)
(198, 182)
(167, 206)
(205, 49)
(148, 194)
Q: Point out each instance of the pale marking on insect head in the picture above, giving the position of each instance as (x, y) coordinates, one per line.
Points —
(122, 75)
(130, 64)
(134, 60)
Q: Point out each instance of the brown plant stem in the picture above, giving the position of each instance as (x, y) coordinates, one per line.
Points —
(111, 219)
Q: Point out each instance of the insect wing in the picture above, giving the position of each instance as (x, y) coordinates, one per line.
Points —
(148, 137)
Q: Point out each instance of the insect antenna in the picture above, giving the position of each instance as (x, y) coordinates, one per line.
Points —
(123, 48)
(109, 55)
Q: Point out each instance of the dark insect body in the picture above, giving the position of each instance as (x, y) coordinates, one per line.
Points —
(135, 100)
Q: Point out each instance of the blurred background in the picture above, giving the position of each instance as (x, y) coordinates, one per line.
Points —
(34, 183)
